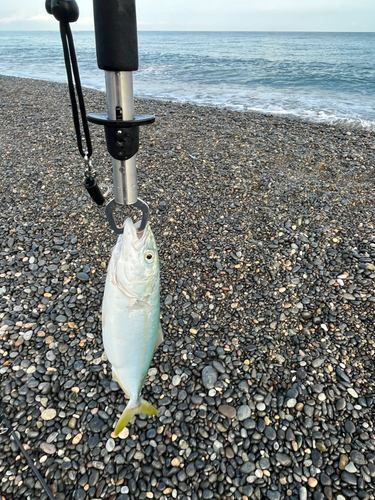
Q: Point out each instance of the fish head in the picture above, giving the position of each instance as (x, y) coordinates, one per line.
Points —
(137, 261)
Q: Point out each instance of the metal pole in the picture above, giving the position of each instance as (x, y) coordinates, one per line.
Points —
(120, 103)
(117, 54)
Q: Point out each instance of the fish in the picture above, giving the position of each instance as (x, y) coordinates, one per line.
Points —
(131, 326)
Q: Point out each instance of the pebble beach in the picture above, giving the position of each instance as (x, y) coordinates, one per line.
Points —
(265, 382)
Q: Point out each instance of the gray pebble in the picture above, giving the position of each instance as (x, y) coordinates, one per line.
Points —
(209, 377)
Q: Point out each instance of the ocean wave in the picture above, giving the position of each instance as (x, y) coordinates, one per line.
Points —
(325, 78)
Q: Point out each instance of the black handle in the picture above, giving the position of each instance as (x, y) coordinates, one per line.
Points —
(116, 35)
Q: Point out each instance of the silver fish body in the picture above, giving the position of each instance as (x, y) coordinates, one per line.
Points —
(131, 315)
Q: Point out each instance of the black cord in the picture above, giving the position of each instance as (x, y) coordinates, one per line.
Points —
(71, 63)
(25, 454)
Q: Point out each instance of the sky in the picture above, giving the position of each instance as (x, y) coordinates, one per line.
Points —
(210, 15)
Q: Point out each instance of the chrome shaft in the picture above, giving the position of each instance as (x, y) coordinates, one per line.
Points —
(120, 103)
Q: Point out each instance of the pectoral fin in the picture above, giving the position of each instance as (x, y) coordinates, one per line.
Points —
(159, 337)
(140, 305)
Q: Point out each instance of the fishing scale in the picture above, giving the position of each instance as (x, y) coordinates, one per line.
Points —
(115, 26)
(117, 54)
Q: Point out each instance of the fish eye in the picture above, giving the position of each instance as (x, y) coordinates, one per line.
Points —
(149, 256)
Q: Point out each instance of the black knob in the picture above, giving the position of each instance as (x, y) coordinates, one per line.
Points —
(48, 6)
(65, 11)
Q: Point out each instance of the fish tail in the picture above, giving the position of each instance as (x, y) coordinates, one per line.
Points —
(129, 412)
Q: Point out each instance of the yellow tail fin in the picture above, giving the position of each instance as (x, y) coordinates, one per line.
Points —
(144, 407)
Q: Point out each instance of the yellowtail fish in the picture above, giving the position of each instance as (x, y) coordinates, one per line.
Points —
(131, 315)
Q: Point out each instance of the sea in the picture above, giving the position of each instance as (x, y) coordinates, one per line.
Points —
(321, 77)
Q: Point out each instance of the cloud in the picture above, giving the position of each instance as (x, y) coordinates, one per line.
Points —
(7, 20)
(41, 21)
(23, 17)
(40, 17)
(86, 21)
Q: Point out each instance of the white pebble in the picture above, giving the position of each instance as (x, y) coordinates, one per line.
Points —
(124, 433)
(352, 392)
(351, 468)
(27, 335)
(303, 493)
(110, 445)
(48, 414)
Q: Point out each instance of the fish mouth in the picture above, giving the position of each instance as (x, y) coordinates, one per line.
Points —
(132, 235)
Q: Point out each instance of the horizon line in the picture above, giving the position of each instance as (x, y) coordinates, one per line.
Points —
(199, 31)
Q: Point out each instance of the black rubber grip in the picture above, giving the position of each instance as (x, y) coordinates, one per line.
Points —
(116, 35)
(94, 190)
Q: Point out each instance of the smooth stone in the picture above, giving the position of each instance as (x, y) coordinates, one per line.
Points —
(302, 493)
(50, 449)
(291, 403)
(358, 458)
(273, 495)
(209, 377)
(247, 468)
(316, 458)
(72, 424)
(283, 459)
(110, 445)
(219, 367)
(308, 410)
(48, 414)
(312, 482)
(228, 411)
(244, 412)
(217, 446)
(349, 427)
(351, 468)
(352, 392)
(78, 365)
(270, 433)
(349, 478)
(45, 388)
(83, 277)
(316, 363)
(96, 424)
(79, 494)
(168, 300)
(340, 404)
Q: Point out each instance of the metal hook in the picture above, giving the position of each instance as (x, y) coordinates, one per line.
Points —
(138, 204)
